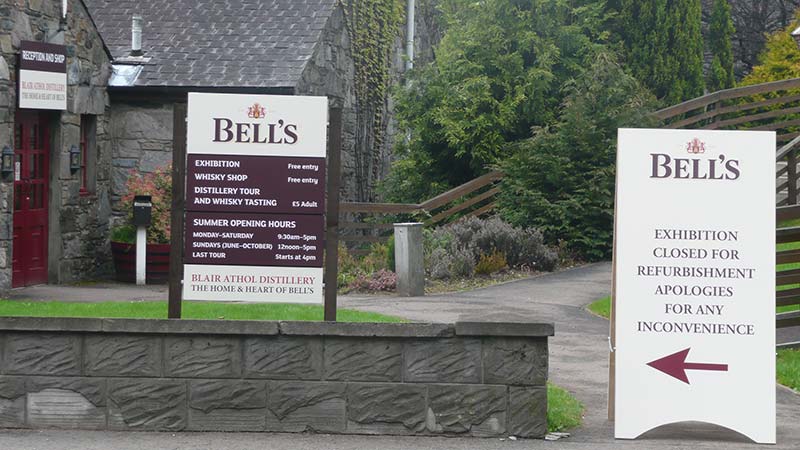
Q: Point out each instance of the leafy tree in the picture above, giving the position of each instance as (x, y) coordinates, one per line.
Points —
(664, 46)
(753, 20)
(721, 29)
(561, 180)
(780, 59)
(499, 70)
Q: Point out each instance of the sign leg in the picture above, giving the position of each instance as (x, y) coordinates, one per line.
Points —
(176, 219)
(332, 218)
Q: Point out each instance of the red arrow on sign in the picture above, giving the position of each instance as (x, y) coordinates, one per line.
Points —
(675, 365)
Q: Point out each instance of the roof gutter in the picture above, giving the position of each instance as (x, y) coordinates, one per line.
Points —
(180, 91)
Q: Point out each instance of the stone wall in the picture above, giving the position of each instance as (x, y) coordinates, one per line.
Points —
(78, 227)
(330, 72)
(475, 379)
(141, 140)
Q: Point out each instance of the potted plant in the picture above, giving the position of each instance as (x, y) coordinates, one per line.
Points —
(157, 184)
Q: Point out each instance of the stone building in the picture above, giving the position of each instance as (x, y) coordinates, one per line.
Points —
(54, 220)
(259, 47)
(119, 107)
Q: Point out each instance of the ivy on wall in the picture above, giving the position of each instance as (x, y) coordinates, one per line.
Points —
(373, 27)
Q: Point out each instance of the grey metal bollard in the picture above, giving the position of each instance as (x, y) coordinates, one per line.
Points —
(408, 259)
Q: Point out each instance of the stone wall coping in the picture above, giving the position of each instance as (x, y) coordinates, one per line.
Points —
(253, 327)
(526, 329)
(356, 329)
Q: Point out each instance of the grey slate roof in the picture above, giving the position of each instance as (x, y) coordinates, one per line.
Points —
(222, 43)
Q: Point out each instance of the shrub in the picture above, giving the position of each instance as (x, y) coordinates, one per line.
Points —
(379, 256)
(125, 233)
(447, 263)
(488, 264)
(390, 253)
(348, 267)
(356, 273)
(484, 246)
(521, 246)
(462, 262)
(380, 281)
(158, 185)
(439, 263)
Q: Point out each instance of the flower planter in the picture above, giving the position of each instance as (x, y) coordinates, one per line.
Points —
(156, 270)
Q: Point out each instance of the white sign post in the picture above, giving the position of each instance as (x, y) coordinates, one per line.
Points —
(695, 281)
(141, 255)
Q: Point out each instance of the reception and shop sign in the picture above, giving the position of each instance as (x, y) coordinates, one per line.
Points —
(42, 76)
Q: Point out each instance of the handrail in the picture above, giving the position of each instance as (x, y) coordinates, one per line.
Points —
(386, 208)
(726, 94)
(783, 151)
(462, 190)
(787, 212)
(458, 200)
(788, 319)
(428, 205)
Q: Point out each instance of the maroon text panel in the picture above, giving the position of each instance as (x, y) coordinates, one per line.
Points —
(264, 184)
(254, 239)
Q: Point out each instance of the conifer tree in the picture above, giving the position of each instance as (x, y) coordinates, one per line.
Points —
(685, 50)
(664, 46)
(721, 30)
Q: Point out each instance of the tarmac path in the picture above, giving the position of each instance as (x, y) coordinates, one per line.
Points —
(578, 362)
(578, 351)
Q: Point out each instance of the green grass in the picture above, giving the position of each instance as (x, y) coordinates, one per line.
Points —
(789, 223)
(601, 307)
(789, 368)
(190, 310)
(564, 411)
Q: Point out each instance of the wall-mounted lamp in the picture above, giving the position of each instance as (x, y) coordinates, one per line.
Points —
(74, 158)
(7, 162)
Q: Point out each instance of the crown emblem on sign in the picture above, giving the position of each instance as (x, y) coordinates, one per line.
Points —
(696, 146)
(256, 111)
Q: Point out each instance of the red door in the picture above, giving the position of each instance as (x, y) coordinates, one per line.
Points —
(31, 141)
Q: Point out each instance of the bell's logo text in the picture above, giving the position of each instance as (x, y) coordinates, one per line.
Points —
(255, 132)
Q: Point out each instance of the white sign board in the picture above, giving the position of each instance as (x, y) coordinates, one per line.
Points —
(257, 125)
(42, 76)
(695, 281)
(255, 193)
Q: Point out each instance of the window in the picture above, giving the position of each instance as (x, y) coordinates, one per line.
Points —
(88, 154)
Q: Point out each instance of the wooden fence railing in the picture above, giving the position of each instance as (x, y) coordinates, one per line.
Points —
(788, 279)
(373, 222)
(770, 106)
